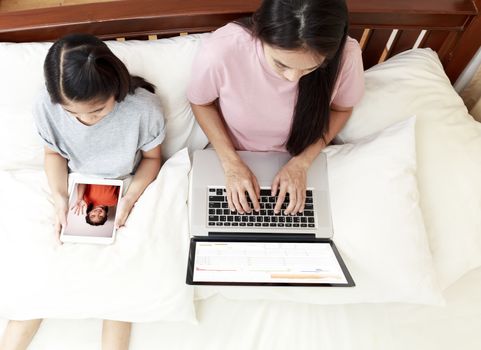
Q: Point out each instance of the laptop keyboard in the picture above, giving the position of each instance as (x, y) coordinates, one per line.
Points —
(219, 213)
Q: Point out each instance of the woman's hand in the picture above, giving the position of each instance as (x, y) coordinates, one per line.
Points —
(79, 207)
(291, 179)
(123, 210)
(61, 209)
(239, 179)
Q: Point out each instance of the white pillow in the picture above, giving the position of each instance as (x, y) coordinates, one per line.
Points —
(378, 227)
(448, 143)
(165, 63)
(139, 278)
(21, 69)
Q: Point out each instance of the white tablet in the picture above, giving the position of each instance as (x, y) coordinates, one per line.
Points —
(92, 209)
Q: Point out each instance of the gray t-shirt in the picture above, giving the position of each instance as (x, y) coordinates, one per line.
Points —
(111, 147)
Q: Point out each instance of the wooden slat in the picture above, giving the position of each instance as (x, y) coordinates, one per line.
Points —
(405, 40)
(364, 38)
(375, 46)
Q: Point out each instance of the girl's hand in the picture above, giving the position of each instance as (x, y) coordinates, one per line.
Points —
(239, 180)
(79, 207)
(61, 209)
(291, 179)
(123, 211)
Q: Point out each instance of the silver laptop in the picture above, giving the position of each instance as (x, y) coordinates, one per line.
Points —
(261, 248)
(209, 213)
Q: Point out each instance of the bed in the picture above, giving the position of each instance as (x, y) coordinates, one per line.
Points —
(418, 196)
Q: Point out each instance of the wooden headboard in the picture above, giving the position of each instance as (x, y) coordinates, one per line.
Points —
(383, 27)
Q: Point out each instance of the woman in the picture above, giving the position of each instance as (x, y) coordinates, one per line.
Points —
(285, 79)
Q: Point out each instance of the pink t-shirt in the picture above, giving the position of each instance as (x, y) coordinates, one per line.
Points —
(256, 103)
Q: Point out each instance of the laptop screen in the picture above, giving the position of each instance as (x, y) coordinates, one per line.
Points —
(285, 263)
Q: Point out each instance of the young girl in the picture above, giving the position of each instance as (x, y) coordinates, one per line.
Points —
(285, 79)
(95, 118)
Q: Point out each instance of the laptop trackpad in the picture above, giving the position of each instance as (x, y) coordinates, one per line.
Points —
(264, 165)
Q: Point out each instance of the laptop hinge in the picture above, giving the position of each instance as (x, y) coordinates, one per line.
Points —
(263, 236)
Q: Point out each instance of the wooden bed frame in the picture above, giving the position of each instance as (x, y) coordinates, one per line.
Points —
(383, 27)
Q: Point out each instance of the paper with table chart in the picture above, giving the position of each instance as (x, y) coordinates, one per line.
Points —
(267, 262)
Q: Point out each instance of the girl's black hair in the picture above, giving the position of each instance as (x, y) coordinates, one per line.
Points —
(80, 67)
(321, 27)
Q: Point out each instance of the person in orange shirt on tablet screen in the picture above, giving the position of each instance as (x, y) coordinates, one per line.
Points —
(94, 201)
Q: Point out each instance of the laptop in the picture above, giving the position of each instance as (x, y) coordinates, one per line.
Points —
(261, 248)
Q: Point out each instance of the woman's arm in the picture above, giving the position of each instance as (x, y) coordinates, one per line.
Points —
(337, 119)
(239, 178)
(57, 175)
(147, 171)
(293, 176)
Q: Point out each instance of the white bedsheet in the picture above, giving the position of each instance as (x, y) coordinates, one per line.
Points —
(244, 325)
(138, 278)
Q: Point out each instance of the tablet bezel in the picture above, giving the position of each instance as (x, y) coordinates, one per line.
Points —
(260, 239)
(91, 239)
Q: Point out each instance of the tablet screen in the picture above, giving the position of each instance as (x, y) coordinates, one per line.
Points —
(92, 209)
(270, 263)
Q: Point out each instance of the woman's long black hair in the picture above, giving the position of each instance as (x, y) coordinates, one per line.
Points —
(81, 67)
(319, 26)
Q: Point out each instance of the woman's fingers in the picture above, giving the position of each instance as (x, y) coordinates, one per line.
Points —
(291, 179)
(241, 185)
(236, 201)
(254, 196)
(292, 202)
(245, 207)
(239, 197)
(301, 199)
(275, 185)
(230, 202)
(281, 197)
(257, 190)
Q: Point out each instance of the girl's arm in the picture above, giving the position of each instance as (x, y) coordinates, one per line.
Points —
(147, 171)
(239, 178)
(292, 177)
(57, 175)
